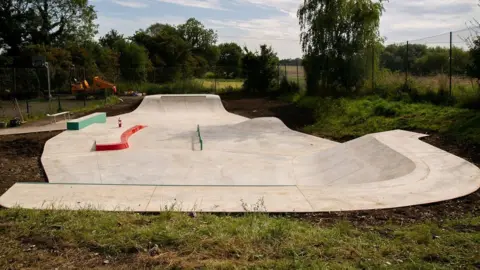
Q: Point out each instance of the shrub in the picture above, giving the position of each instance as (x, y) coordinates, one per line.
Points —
(288, 87)
(209, 75)
(384, 109)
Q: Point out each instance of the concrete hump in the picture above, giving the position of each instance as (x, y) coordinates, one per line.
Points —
(363, 160)
(181, 104)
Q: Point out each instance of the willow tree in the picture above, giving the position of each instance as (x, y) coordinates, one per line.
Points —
(337, 38)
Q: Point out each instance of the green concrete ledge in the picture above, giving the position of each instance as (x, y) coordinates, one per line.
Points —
(87, 120)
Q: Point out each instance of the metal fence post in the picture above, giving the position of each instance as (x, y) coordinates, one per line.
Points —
(450, 69)
(286, 71)
(406, 67)
(373, 67)
(215, 78)
(28, 108)
(59, 104)
(15, 81)
(298, 79)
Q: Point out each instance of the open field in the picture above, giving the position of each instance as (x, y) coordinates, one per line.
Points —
(221, 84)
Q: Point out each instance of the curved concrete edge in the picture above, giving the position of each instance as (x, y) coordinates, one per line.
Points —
(123, 144)
(155, 198)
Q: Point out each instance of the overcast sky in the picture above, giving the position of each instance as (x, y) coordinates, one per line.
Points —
(274, 22)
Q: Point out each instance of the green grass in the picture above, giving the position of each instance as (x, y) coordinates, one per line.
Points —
(347, 118)
(184, 87)
(252, 240)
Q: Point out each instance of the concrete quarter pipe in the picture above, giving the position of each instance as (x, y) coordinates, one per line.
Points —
(195, 156)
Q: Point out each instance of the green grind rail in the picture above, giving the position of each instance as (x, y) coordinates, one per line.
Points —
(200, 137)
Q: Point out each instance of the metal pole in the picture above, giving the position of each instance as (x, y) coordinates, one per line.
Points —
(15, 81)
(298, 79)
(286, 71)
(451, 49)
(59, 104)
(48, 81)
(215, 78)
(373, 67)
(406, 67)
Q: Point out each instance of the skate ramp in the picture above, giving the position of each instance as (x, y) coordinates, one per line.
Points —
(246, 164)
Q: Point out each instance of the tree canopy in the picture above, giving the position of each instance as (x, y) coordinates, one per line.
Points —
(48, 22)
(335, 38)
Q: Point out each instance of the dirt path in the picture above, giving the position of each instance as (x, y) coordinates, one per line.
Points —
(20, 162)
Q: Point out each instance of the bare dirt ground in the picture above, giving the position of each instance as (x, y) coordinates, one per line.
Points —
(20, 162)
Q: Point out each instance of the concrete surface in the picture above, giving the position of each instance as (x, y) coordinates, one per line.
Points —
(60, 125)
(245, 165)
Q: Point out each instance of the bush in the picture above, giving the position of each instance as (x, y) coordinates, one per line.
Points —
(288, 87)
(384, 109)
(209, 75)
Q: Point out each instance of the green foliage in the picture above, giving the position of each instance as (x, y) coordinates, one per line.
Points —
(133, 61)
(110, 38)
(288, 87)
(209, 75)
(347, 118)
(474, 66)
(423, 60)
(201, 40)
(261, 70)
(168, 51)
(52, 22)
(229, 64)
(336, 37)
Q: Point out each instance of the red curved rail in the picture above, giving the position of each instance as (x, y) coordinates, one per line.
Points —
(123, 144)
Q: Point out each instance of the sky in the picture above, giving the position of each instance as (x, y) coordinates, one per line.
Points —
(274, 22)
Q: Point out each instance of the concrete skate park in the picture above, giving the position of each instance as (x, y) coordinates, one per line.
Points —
(187, 153)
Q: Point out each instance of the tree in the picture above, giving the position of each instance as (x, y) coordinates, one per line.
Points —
(133, 61)
(261, 70)
(161, 29)
(110, 38)
(14, 15)
(196, 35)
(201, 40)
(48, 22)
(230, 59)
(59, 21)
(336, 36)
(167, 50)
(473, 69)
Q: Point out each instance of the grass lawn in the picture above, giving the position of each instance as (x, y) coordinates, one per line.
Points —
(344, 119)
(87, 239)
(221, 84)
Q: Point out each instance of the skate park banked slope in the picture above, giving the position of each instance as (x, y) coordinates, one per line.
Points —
(246, 164)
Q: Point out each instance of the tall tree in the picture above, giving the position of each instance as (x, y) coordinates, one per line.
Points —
(474, 66)
(195, 33)
(336, 36)
(201, 40)
(261, 70)
(14, 15)
(59, 21)
(229, 62)
(48, 22)
(133, 61)
(110, 38)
